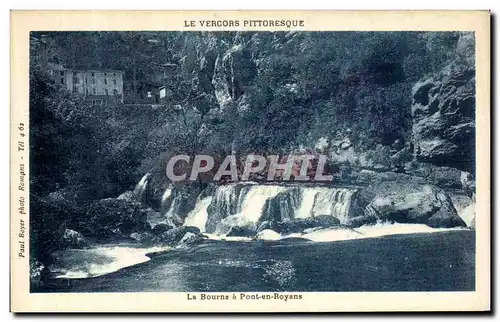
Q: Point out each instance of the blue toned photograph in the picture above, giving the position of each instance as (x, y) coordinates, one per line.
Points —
(227, 161)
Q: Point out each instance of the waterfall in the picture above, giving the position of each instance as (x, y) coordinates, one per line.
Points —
(330, 201)
(166, 195)
(141, 186)
(307, 203)
(226, 201)
(256, 198)
(172, 216)
(165, 199)
(199, 215)
(333, 202)
(249, 204)
(249, 207)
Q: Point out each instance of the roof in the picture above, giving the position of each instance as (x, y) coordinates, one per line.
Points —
(55, 66)
(98, 70)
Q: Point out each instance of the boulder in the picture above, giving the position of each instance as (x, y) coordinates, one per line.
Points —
(175, 235)
(268, 225)
(413, 203)
(468, 214)
(359, 221)
(73, 239)
(190, 239)
(443, 112)
(156, 218)
(237, 231)
(444, 177)
(237, 221)
(465, 207)
(161, 228)
(146, 238)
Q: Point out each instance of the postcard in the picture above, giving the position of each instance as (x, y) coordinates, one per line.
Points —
(250, 161)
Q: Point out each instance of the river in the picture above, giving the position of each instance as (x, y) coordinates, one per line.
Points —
(431, 261)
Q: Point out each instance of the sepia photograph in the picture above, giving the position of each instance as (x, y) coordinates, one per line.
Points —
(239, 165)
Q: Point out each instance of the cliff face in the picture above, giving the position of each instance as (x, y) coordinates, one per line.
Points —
(443, 112)
(366, 100)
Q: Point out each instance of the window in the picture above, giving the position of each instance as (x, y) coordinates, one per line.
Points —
(62, 80)
(114, 74)
(105, 81)
(114, 81)
(75, 90)
(106, 91)
(75, 80)
(74, 73)
(85, 80)
(115, 92)
(92, 74)
(87, 91)
(93, 80)
(93, 91)
(61, 73)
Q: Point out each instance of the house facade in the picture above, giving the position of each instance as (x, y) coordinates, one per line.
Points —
(96, 85)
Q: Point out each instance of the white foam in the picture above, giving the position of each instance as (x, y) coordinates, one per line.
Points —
(344, 233)
(166, 194)
(307, 204)
(199, 215)
(83, 263)
(141, 186)
(255, 200)
(229, 238)
(268, 234)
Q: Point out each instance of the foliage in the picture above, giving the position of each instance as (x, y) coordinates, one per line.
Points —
(286, 90)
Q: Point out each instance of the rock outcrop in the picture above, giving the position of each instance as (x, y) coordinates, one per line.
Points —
(466, 208)
(408, 203)
(146, 238)
(232, 70)
(175, 235)
(161, 228)
(237, 231)
(190, 239)
(74, 239)
(299, 225)
(443, 112)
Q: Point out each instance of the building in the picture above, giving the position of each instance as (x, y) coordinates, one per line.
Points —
(163, 92)
(96, 85)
